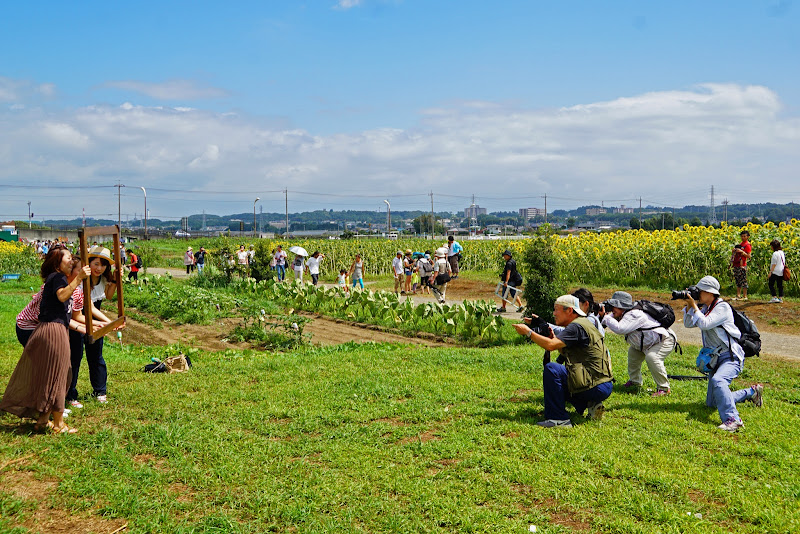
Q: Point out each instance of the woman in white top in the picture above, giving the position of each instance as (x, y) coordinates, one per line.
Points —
(440, 275)
(720, 337)
(313, 266)
(776, 266)
(298, 265)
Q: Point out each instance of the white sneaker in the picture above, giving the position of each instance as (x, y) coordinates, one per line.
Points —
(76, 404)
(731, 425)
(774, 299)
(595, 411)
(102, 399)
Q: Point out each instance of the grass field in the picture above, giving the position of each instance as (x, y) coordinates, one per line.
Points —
(390, 438)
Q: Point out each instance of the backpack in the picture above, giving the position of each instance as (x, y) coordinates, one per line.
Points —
(750, 339)
(138, 262)
(662, 313)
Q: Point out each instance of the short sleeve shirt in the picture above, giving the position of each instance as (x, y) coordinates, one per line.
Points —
(574, 335)
(740, 260)
(51, 309)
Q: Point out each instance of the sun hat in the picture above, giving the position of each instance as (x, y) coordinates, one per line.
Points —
(99, 251)
(507, 252)
(708, 284)
(408, 251)
(399, 252)
(571, 301)
(441, 252)
(621, 300)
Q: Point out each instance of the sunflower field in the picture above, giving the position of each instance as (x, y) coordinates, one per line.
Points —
(18, 258)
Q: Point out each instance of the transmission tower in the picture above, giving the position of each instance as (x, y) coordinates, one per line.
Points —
(712, 215)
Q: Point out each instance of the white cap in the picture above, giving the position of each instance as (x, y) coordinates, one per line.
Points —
(571, 301)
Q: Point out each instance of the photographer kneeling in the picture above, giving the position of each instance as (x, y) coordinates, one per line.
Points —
(720, 341)
(648, 341)
(585, 379)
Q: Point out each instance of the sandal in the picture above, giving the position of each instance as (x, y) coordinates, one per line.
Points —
(41, 429)
(63, 429)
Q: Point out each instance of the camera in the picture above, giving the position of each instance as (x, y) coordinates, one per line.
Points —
(686, 293)
(606, 307)
(540, 326)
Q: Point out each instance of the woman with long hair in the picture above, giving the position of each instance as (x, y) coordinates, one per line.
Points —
(37, 386)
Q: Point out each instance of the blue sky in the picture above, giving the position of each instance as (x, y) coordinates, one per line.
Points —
(587, 102)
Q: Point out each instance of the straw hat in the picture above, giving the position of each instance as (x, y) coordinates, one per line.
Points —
(99, 251)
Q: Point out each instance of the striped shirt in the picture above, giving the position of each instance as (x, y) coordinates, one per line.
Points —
(28, 318)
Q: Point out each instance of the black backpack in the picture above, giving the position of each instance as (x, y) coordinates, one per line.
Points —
(751, 339)
(138, 262)
(662, 313)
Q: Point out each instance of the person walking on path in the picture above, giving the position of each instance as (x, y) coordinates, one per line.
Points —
(37, 388)
(408, 270)
(741, 253)
(357, 272)
(188, 260)
(136, 265)
(280, 262)
(720, 341)
(454, 249)
(397, 271)
(512, 281)
(200, 260)
(312, 265)
(776, 266)
(440, 275)
(647, 341)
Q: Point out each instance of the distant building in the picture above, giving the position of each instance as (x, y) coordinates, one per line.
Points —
(473, 211)
(623, 209)
(530, 213)
(591, 212)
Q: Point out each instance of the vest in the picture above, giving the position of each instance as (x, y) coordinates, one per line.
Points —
(590, 366)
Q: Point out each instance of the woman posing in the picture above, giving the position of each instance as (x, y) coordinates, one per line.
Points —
(103, 286)
(36, 388)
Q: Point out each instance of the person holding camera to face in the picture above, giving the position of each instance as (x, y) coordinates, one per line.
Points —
(720, 340)
(584, 379)
(648, 341)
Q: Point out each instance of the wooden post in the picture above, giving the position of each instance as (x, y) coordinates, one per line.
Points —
(88, 305)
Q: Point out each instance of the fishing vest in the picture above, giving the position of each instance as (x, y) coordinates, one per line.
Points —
(589, 366)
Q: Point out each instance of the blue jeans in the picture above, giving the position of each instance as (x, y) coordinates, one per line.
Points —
(359, 281)
(556, 393)
(98, 374)
(281, 271)
(719, 393)
(200, 268)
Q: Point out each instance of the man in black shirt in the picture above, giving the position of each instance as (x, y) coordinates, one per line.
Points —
(585, 379)
(511, 280)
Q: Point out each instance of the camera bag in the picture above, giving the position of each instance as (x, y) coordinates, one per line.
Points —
(662, 313)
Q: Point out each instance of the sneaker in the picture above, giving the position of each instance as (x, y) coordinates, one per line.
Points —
(595, 411)
(500, 310)
(67, 411)
(75, 404)
(745, 298)
(758, 396)
(552, 423)
(102, 399)
(520, 309)
(632, 384)
(774, 300)
(731, 425)
(735, 298)
(660, 393)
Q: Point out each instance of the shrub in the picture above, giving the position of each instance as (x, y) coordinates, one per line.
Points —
(538, 268)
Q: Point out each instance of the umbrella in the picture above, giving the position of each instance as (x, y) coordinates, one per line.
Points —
(299, 251)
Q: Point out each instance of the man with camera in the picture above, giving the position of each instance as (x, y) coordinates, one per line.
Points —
(721, 345)
(647, 340)
(584, 379)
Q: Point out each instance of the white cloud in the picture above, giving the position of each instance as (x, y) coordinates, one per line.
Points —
(169, 90)
(347, 4)
(670, 146)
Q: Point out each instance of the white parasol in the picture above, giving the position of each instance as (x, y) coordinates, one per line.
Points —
(299, 251)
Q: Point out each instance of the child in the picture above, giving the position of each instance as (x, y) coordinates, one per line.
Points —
(342, 281)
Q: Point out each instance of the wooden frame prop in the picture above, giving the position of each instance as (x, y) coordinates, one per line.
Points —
(88, 305)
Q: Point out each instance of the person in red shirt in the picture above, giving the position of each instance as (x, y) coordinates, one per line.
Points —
(741, 253)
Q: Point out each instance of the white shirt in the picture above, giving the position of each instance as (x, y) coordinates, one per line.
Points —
(313, 265)
(397, 265)
(280, 257)
(718, 328)
(243, 257)
(99, 291)
(631, 325)
(777, 263)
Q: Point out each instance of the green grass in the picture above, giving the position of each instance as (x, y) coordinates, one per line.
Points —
(392, 438)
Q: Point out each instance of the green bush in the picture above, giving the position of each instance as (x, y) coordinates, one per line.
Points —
(541, 287)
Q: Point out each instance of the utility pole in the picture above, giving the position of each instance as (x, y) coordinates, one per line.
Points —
(286, 193)
(433, 219)
(545, 209)
(119, 187)
(145, 211)
(640, 212)
(712, 215)
(388, 218)
(30, 224)
(725, 211)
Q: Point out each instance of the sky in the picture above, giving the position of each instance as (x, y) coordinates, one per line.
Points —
(346, 103)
